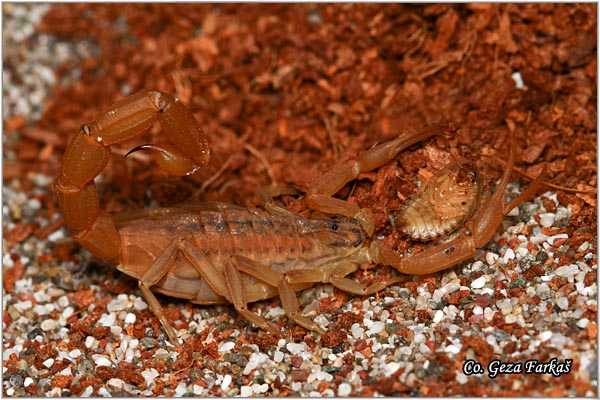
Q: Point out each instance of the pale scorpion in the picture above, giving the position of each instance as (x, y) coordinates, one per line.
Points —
(211, 253)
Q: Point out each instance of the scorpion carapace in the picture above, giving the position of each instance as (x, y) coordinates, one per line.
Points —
(213, 252)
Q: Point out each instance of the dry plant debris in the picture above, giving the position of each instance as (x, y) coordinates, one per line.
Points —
(283, 92)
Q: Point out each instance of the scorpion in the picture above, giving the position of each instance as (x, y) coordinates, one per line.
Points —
(214, 253)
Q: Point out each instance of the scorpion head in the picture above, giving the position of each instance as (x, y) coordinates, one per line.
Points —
(339, 236)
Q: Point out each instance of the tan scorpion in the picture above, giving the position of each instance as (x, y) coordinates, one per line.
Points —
(211, 253)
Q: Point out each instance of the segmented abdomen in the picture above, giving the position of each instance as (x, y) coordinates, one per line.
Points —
(220, 231)
(442, 204)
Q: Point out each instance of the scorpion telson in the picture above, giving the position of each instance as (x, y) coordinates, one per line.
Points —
(213, 253)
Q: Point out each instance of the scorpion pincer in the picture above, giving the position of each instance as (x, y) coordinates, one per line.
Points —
(211, 253)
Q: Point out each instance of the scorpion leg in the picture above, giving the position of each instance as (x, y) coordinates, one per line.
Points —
(291, 281)
(478, 231)
(239, 297)
(287, 293)
(161, 267)
(319, 196)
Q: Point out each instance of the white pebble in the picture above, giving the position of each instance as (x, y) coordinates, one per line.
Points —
(546, 335)
(542, 288)
(509, 255)
(181, 389)
(226, 346)
(391, 368)
(67, 312)
(344, 389)
(296, 348)
(491, 258)
(488, 314)
(56, 235)
(424, 349)
(130, 318)
(563, 303)
(246, 391)
(149, 375)
(48, 325)
(375, 328)
(452, 349)
(139, 304)
(254, 361)
(439, 315)
(584, 246)
(419, 338)
(510, 319)
(28, 381)
(480, 282)
(87, 392)
(256, 388)
(89, 341)
(278, 356)
(74, 353)
(516, 76)
(101, 360)
(197, 389)
(226, 382)
(547, 219)
(551, 239)
(321, 320)
(48, 363)
(505, 305)
(452, 287)
(357, 331)
(583, 323)
(107, 320)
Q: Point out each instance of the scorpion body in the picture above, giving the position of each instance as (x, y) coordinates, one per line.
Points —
(283, 241)
(213, 253)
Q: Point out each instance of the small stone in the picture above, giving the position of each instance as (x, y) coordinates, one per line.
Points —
(583, 323)
(296, 348)
(130, 318)
(226, 346)
(584, 246)
(547, 220)
(278, 356)
(479, 282)
(344, 389)
(226, 382)
(452, 349)
(246, 391)
(491, 258)
(546, 335)
(149, 375)
(101, 360)
(376, 328)
(563, 303)
(48, 325)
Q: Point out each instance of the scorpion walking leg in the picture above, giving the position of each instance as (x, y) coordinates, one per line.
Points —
(287, 281)
(161, 267)
(319, 196)
(478, 232)
(239, 297)
(289, 301)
